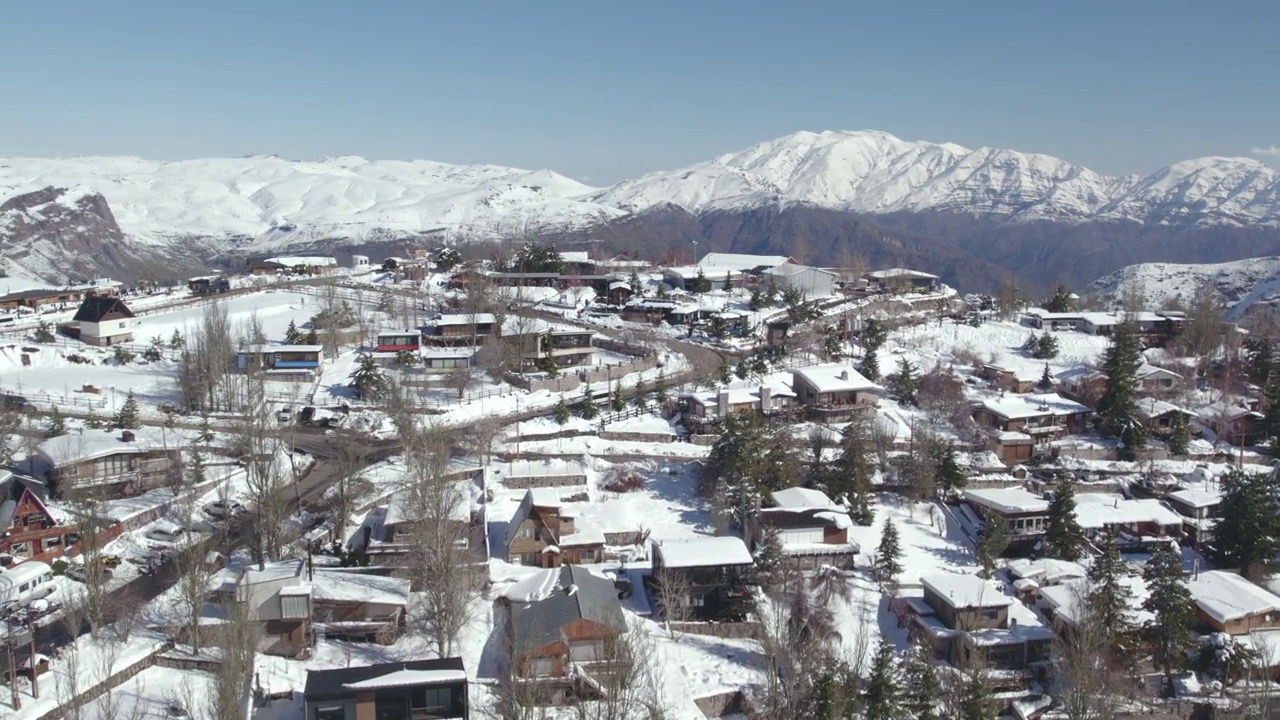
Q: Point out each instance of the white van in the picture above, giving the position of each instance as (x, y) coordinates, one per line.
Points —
(23, 584)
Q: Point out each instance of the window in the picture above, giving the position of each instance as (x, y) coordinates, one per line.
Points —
(436, 699)
(395, 707)
(121, 325)
(529, 558)
(330, 712)
(293, 607)
(526, 531)
(990, 614)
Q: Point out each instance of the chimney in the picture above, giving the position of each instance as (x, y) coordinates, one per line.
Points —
(722, 403)
(844, 374)
(766, 398)
(127, 436)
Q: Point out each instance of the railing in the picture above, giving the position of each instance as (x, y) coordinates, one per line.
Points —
(54, 400)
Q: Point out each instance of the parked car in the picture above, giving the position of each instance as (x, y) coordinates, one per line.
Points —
(77, 573)
(222, 509)
(306, 415)
(164, 531)
(284, 414)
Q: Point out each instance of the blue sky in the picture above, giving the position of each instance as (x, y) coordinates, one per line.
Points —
(604, 90)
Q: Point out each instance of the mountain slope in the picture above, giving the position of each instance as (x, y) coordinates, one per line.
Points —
(1242, 285)
(876, 173)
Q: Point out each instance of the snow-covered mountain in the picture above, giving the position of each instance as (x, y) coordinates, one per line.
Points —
(876, 173)
(1241, 285)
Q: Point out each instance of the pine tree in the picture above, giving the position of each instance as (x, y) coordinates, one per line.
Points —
(728, 281)
(1109, 598)
(993, 538)
(313, 338)
(882, 699)
(832, 343)
(1259, 359)
(947, 470)
(205, 435)
(870, 365)
(637, 287)
(770, 561)
(1118, 405)
(923, 688)
(905, 383)
(855, 469)
(888, 563)
(975, 698)
(724, 374)
(1271, 415)
(368, 378)
(700, 282)
(57, 424)
(1248, 528)
(660, 388)
(588, 405)
(1060, 301)
(1047, 348)
(1046, 380)
(1169, 601)
(717, 328)
(1179, 435)
(176, 341)
(1063, 536)
(127, 416)
(561, 413)
(756, 301)
(43, 333)
(640, 392)
(292, 335)
(197, 466)
(616, 402)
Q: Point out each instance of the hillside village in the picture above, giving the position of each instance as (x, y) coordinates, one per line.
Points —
(546, 484)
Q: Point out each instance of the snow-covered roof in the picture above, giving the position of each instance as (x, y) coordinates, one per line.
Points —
(711, 272)
(1067, 598)
(703, 552)
(407, 678)
(1007, 500)
(1098, 510)
(740, 394)
(893, 273)
(1012, 407)
(1046, 571)
(575, 256)
(309, 260)
(1225, 596)
(1196, 498)
(463, 319)
(264, 349)
(1152, 408)
(789, 269)
(835, 377)
(351, 587)
(272, 572)
(797, 498)
(91, 444)
(739, 262)
(1146, 370)
(966, 591)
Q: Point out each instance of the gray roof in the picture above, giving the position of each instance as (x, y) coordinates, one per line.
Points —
(579, 595)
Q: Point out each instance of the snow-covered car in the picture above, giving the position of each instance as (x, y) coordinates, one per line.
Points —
(222, 509)
(284, 414)
(163, 531)
(77, 573)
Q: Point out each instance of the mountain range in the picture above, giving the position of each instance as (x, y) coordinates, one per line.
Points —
(976, 217)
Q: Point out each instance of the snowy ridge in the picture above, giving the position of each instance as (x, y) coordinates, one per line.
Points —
(1241, 284)
(876, 173)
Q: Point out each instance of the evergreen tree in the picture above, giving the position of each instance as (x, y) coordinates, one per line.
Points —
(561, 413)
(205, 435)
(1170, 602)
(947, 470)
(616, 402)
(660, 388)
(905, 383)
(313, 338)
(1109, 598)
(1118, 405)
(1063, 536)
(636, 286)
(756, 300)
(742, 370)
(888, 563)
(728, 281)
(870, 365)
(855, 469)
(57, 424)
(588, 411)
(368, 378)
(640, 392)
(176, 341)
(1259, 359)
(43, 333)
(882, 699)
(197, 466)
(874, 334)
(770, 561)
(993, 538)
(1271, 415)
(1047, 349)
(1060, 301)
(700, 282)
(155, 350)
(292, 335)
(975, 698)
(832, 343)
(1248, 528)
(724, 373)
(1179, 435)
(127, 416)
(717, 328)
(923, 688)
(1046, 380)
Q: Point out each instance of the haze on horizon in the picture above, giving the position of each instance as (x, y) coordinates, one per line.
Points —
(604, 92)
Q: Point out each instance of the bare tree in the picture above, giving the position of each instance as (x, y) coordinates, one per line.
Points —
(113, 704)
(672, 593)
(259, 448)
(625, 674)
(1086, 684)
(206, 360)
(240, 635)
(93, 596)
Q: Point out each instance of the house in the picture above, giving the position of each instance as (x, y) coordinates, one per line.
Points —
(685, 277)
(1199, 511)
(538, 342)
(651, 310)
(1029, 576)
(1228, 603)
(306, 265)
(619, 292)
(387, 533)
(105, 320)
(1161, 416)
(446, 359)
(416, 689)
(768, 398)
(812, 282)
(281, 360)
(903, 280)
(1082, 384)
(541, 534)
(459, 329)
(559, 617)
(1023, 513)
(1232, 423)
(267, 267)
(1042, 319)
(359, 262)
(1009, 379)
(832, 392)
(1135, 521)
(966, 618)
(28, 530)
(813, 530)
(1044, 416)
(742, 263)
(1154, 379)
(397, 340)
(1065, 603)
(577, 262)
(712, 574)
(110, 463)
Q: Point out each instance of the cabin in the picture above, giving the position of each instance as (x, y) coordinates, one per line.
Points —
(459, 329)
(28, 530)
(1154, 379)
(1008, 379)
(387, 534)
(267, 267)
(105, 320)
(1228, 603)
(813, 530)
(903, 280)
(281, 360)
(1136, 522)
(966, 618)
(619, 292)
(834, 391)
(391, 341)
(769, 398)
(542, 534)
(716, 570)
(1234, 424)
(110, 464)
(1044, 417)
(1161, 417)
(561, 617)
(812, 282)
(411, 690)
(1023, 513)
